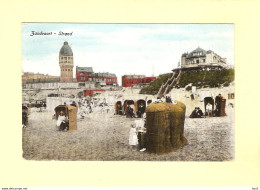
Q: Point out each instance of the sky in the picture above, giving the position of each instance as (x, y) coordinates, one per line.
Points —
(146, 49)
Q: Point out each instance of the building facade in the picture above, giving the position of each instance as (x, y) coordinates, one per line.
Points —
(82, 73)
(131, 80)
(28, 77)
(66, 63)
(104, 79)
(202, 59)
(86, 75)
(50, 85)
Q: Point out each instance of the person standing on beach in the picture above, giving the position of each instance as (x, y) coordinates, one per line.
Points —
(133, 140)
(209, 109)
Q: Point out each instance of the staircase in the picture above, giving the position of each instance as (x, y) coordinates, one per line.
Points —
(170, 83)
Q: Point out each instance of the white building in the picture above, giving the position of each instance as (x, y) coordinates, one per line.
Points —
(202, 59)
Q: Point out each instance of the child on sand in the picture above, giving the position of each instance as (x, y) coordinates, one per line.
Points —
(133, 136)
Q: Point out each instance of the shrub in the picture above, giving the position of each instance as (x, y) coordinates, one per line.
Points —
(199, 79)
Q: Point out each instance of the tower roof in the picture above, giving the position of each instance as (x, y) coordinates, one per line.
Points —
(84, 69)
(191, 54)
(66, 50)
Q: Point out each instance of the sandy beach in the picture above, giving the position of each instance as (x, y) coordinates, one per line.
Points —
(102, 136)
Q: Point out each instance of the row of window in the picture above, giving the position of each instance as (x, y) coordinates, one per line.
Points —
(65, 62)
(99, 79)
(66, 69)
(197, 61)
(197, 53)
(111, 80)
(65, 58)
(102, 79)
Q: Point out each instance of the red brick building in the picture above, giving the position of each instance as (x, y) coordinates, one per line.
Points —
(82, 73)
(131, 80)
(92, 92)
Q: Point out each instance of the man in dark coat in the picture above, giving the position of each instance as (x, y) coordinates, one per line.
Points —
(196, 113)
(200, 113)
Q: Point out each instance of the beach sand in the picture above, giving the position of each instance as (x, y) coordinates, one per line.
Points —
(105, 137)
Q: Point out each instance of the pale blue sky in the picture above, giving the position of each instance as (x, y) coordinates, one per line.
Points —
(123, 48)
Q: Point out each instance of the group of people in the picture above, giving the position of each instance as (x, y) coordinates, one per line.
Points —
(130, 111)
(89, 106)
(197, 112)
(140, 110)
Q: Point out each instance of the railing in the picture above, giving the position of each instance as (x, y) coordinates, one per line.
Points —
(203, 64)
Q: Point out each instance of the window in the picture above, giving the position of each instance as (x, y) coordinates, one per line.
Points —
(204, 60)
(197, 61)
(81, 74)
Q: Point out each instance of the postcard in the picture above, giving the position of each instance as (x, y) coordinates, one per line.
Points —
(128, 92)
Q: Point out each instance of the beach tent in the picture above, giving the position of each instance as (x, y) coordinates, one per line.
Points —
(208, 100)
(165, 127)
(118, 108)
(127, 103)
(138, 108)
(70, 112)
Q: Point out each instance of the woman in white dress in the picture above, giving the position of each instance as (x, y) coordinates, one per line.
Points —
(133, 136)
(61, 119)
(209, 109)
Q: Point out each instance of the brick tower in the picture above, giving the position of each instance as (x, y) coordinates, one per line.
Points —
(66, 63)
